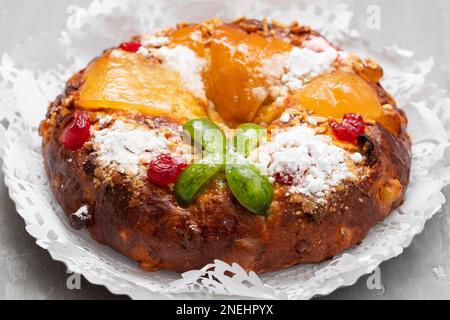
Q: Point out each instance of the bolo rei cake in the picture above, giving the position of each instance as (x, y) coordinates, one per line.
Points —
(250, 142)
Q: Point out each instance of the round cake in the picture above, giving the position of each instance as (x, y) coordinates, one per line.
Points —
(251, 142)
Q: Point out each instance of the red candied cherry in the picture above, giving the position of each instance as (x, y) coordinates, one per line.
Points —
(164, 169)
(130, 46)
(354, 120)
(76, 135)
(349, 129)
(284, 178)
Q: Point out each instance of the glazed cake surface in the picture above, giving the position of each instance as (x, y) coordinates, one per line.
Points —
(335, 160)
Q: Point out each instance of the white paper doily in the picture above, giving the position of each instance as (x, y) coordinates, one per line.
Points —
(33, 78)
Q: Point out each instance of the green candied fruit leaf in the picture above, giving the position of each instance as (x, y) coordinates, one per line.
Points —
(208, 134)
(250, 187)
(247, 137)
(193, 179)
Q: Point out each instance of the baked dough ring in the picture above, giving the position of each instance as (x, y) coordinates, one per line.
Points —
(147, 224)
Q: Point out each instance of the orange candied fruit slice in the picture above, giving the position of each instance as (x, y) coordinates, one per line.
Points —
(129, 82)
(191, 37)
(338, 93)
(233, 82)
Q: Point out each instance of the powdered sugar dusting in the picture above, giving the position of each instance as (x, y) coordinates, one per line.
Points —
(356, 157)
(260, 93)
(127, 147)
(154, 41)
(143, 51)
(285, 117)
(82, 213)
(188, 64)
(315, 164)
(317, 44)
(105, 121)
(292, 70)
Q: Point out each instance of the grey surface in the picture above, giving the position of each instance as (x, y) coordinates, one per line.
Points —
(28, 272)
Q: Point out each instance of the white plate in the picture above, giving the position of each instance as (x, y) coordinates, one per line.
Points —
(25, 92)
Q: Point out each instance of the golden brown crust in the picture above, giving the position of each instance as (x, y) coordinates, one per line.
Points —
(145, 222)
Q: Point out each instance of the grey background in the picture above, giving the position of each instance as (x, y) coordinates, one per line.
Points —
(28, 272)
